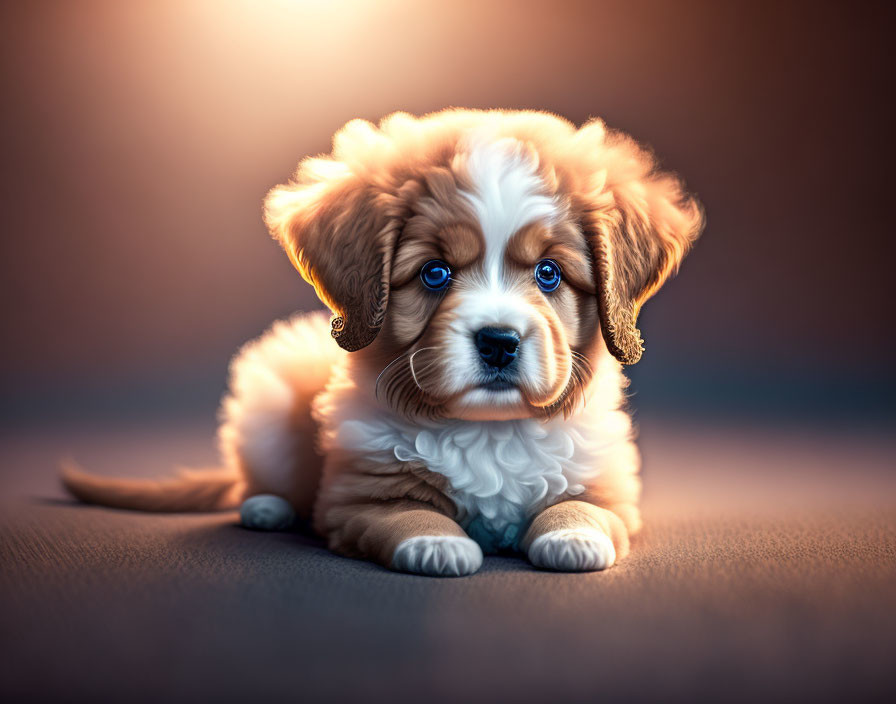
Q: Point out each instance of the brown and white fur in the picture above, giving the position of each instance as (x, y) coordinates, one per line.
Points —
(380, 430)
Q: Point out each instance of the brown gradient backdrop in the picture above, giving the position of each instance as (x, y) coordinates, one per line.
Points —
(140, 137)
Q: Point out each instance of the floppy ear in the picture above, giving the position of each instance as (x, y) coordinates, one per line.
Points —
(340, 234)
(641, 224)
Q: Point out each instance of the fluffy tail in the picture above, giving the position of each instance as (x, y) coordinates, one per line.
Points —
(189, 490)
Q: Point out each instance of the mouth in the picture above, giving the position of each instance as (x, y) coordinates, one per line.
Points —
(497, 385)
(495, 399)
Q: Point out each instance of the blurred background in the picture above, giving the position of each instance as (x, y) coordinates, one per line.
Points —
(139, 139)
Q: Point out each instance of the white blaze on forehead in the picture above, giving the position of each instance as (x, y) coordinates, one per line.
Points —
(507, 194)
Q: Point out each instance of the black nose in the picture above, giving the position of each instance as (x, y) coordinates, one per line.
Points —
(497, 346)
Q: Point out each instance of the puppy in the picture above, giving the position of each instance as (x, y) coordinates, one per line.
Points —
(485, 270)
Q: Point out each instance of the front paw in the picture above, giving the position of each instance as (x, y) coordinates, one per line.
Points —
(573, 550)
(437, 556)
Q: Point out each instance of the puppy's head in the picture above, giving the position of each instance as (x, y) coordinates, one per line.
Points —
(478, 263)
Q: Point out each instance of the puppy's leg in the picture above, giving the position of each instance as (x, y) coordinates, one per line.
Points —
(404, 535)
(267, 431)
(575, 536)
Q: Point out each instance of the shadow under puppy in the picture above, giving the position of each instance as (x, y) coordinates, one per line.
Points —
(485, 269)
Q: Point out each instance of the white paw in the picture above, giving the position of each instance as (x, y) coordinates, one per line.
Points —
(437, 556)
(573, 550)
(266, 512)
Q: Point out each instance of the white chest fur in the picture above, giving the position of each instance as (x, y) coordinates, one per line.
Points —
(501, 473)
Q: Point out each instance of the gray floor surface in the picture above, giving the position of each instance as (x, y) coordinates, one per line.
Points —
(766, 571)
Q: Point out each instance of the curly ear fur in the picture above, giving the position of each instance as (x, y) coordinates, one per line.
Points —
(641, 224)
(340, 234)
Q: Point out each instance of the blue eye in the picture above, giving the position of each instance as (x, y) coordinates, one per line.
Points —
(435, 275)
(547, 275)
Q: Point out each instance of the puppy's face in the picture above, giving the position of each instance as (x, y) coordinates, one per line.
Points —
(492, 312)
(474, 259)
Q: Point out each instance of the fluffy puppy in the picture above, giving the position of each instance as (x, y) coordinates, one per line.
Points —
(485, 270)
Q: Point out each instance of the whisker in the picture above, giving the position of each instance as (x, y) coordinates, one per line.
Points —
(588, 366)
(411, 365)
(580, 373)
(399, 386)
(376, 385)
